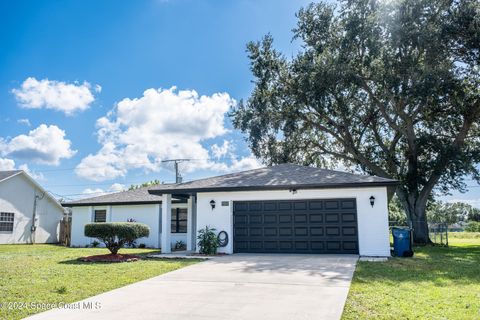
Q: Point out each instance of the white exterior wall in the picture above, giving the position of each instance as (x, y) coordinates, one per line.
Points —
(17, 195)
(148, 214)
(80, 217)
(373, 232)
(174, 237)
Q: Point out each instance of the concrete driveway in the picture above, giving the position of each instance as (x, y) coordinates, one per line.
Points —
(240, 286)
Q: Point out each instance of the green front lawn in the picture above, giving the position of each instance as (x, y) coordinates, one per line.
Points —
(437, 283)
(52, 274)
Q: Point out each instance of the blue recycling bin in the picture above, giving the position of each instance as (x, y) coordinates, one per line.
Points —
(402, 244)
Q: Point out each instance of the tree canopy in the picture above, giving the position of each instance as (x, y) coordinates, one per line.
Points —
(389, 87)
(145, 184)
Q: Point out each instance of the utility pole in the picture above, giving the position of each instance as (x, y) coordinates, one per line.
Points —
(178, 176)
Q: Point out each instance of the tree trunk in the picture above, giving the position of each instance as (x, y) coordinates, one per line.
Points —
(113, 247)
(415, 207)
(420, 230)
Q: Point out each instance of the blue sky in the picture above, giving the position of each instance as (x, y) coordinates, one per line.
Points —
(103, 57)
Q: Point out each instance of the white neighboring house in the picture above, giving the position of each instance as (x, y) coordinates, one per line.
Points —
(28, 214)
(280, 209)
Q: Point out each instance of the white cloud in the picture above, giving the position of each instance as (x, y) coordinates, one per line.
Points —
(162, 124)
(116, 187)
(24, 121)
(35, 175)
(45, 145)
(93, 192)
(104, 165)
(57, 95)
(7, 164)
(221, 151)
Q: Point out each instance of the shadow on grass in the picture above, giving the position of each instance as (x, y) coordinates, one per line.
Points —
(434, 264)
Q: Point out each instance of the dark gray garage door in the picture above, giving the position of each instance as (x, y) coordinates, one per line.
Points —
(300, 226)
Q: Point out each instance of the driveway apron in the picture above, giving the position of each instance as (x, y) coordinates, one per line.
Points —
(239, 286)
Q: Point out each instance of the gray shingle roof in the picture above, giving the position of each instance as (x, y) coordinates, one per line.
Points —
(283, 176)
(137, 196)
(8, 173)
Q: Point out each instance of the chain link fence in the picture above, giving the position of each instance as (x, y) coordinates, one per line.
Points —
(438, 232)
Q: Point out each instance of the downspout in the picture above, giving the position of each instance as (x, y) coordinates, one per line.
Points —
(33, 228)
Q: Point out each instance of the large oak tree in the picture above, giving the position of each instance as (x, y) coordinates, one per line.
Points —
(392, 87)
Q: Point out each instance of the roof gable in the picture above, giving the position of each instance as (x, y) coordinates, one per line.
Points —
(5, 175)
(283, 176)
(135, 196)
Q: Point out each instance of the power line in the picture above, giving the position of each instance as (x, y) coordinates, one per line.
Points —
(130, 164)
(178, 177)
(95, 184)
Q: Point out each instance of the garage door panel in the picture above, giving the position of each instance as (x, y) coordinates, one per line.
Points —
(240, 219)
(285, 232)
(255, 219)
(240, 206)
(350, 245)
(316, 231)
(240, 232)
(285, 218)
(256, 245)
(349, 217)
(285, 245)
(301, 245)
(334, 245)
(349, 231)
(300, 205)
(316, 217)
(270, 245)
(270, 232)
(302, 226)
(255, 206)
(348, 204)
(315, 205)
(270, 206)
(256, 232)
(269, 218)
(300, 218)
(332, 231)
(284, 206)
(241, 245)
(301, 231)
(332, 218)
(318, 246)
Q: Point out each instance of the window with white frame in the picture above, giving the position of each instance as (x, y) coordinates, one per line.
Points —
(6, 221)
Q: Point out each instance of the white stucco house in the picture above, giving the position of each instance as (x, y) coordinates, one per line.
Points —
(28, 214)
(280, 209)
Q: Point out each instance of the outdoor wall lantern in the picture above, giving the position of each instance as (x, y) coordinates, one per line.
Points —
(212, 204)
(372, 200)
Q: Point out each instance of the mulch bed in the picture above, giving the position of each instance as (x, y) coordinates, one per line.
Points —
(110, 258)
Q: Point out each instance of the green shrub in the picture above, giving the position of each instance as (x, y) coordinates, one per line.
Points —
(207, 241)
(116, 234)
(473, 226)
